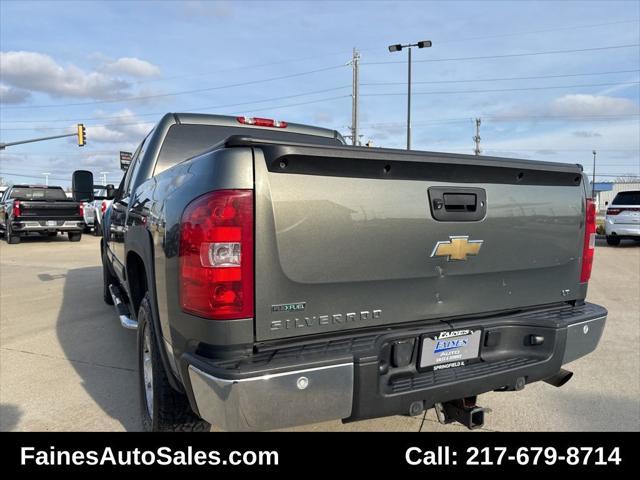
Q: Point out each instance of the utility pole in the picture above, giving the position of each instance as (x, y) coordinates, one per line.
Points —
(46, 178)
(104, 177)
(409, 103)
(355, 65)
(477, 137)
(593, 181)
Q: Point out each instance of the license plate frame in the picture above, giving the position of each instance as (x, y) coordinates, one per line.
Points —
(447, 349)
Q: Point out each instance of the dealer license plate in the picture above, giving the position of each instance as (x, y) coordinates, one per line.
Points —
(450, 349)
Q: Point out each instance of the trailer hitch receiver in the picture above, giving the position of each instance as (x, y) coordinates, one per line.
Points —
(464, 411)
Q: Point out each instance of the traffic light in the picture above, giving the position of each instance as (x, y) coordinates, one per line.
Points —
(82, 135)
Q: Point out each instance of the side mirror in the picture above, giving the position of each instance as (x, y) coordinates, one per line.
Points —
(111, 192)
(82, 186)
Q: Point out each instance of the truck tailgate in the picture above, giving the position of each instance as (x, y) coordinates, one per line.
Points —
(346, 238)
(45, 210)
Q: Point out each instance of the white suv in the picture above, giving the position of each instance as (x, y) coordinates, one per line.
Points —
(623, 217)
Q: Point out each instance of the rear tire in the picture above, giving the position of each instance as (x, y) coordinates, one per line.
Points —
(75, 236)
(163, 409)
(613, 240)
(10, 237)
(97, 230)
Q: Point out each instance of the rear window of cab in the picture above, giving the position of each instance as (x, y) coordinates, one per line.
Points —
(627, 198)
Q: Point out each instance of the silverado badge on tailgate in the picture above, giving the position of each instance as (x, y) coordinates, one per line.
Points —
(457, 248)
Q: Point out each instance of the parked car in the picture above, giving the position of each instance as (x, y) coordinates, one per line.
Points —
(278, 277)
(100, 204)
(623, 217)
(42, 209)
(88, 214)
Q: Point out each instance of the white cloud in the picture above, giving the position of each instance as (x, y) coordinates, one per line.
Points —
(131, 66)
(127, 130)
(586, 134)
(578, 106)
(584, 104)
(38, 72)
(13, 95)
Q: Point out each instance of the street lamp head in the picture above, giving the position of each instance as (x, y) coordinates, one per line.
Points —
(395, 48)
(424, 44)
(594, 152)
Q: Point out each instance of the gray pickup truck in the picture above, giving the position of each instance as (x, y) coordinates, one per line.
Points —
(278, 277)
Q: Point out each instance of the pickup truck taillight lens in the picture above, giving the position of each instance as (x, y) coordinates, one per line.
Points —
(103, 207)
(589, 241)
(216, 255)
(81, 209)
(16, 208)
(261, 122)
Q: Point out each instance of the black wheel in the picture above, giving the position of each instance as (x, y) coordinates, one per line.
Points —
(10, 237)
(108, 278)
(162, 407)
(97, 230)
(75, 236)
(87, 229)
(613, 240)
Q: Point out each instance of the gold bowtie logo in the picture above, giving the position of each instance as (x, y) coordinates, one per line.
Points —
(457, 248)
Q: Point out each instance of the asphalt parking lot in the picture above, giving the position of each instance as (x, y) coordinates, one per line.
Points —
(66, 364)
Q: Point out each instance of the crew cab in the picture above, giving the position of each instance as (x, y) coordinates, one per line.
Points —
(623, 217)
(277, 277)
(41, 209)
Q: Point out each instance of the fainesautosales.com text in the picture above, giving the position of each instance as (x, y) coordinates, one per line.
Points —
(188, 456)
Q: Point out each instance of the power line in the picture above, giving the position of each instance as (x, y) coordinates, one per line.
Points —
(546, 30)
(602, 116)
(198, 109)
(296, 60)
(183, 92)
(538, 77)
(510, 55)
(501, 89)
(320, 100)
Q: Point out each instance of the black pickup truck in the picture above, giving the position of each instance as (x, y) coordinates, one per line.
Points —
(278, 277)
(36, 208)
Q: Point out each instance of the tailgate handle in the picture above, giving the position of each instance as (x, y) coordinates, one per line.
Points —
(457, 204)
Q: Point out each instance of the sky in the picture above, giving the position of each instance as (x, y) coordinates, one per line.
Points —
(550, 81)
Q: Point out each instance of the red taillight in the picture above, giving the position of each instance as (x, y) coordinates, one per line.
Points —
(81, 209)
(103, 206)
(262, 122)
(589, 246)
(16, 208)
(216, 255)
(616, 211)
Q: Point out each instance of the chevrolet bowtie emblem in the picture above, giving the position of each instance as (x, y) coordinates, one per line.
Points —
(457, 248)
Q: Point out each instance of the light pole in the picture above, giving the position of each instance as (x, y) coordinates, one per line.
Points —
(104, 177)
(46, 178)
(397, 48)
(593, 181)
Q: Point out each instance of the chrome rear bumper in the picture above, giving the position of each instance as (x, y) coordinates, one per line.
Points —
(256, 395)
(274, 401)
